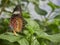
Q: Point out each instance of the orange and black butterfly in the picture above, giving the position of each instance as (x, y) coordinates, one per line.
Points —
(17, 21)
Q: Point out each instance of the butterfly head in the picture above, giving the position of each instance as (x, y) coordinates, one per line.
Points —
(17, 10)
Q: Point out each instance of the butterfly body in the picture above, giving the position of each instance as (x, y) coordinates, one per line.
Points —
(16, 21)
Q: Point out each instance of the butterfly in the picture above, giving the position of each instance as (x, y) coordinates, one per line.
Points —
(16, 20)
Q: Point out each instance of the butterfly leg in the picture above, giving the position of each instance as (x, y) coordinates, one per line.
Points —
(15, 33)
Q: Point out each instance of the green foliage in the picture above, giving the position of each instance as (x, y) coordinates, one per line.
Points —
(9, 37)
(53, 6)
(23, 41)
(57, 17)
(36, 2)
(40, 11)
(26, 15)
(55, 38)
(36, 32)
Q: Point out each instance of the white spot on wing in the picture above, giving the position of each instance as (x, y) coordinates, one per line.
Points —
(16, 12)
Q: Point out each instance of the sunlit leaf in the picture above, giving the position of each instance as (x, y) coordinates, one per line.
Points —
(42, 34)
(35, 42)
(26, 15)
(55, 37)
(57, 22)
(32, 25)
(10, 38)
(23, 41)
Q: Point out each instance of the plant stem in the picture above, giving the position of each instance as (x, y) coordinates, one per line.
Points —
(49, 14)
(3, 7)
(30, 41)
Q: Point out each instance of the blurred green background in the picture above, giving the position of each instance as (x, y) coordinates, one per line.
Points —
(43, 22)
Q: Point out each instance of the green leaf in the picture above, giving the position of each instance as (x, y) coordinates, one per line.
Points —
(9, 37)
(9, 3)
(23, 41)
(3, 2)
(53, 28)
(52, 38)
(53, 6)
(57, 17)
(5, 42)
(25, 1)
(26, 15)
(14, 2)
(42, 34)
(6, 21)
(40, 11)
(43, 41)
(55, 37)
(57, 22)
(32, 25)
(35, 42)
(36, 2)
